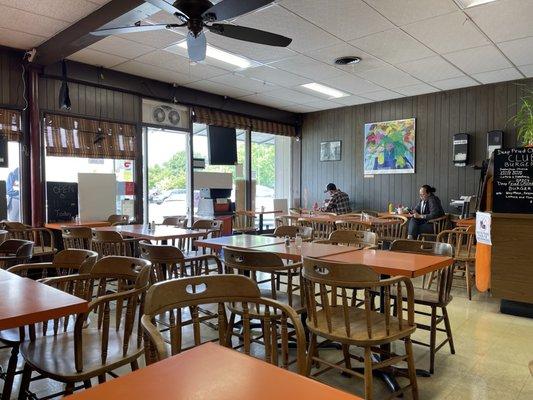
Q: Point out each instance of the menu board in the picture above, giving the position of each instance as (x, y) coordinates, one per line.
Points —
(62, 200)
(513, 180)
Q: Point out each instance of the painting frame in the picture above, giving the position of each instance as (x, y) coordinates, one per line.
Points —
(331, 150)
(390, 147)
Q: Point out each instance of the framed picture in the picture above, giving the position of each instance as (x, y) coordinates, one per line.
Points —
(330, 151)
(390, 147)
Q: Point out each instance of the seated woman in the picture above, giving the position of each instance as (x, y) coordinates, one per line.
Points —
(427, 209)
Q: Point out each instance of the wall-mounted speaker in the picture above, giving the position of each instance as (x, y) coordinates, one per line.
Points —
(461, 143)
(494, 141)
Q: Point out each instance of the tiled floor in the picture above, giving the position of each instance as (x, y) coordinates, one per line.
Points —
(491, 361)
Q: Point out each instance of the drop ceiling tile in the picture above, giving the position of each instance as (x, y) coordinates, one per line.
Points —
(447, 33)
(218, 88)
(243, 82)
(93, 57)
(519, 51)
(502, 75)
(454, 83)
(393, 46)
(150, 71)
(156, 39)
(305, 36)
(478, 59)
(301, 108)
(19, 40)
(164, 59)
(382, 95)
(527, 70)
(330, 53)
(416, 90)
(389, 77)
(265, 100)
(23, 21)
(68, 11)
(276, 76)
(307, 67)
(430, 69)
(292, 95)
(346, 19)
(351, 84)
(120, 47)
(403, 12)
(505, 19)
(162, 17)
(324, 104)
(352, 100)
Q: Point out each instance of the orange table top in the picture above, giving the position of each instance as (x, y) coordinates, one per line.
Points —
(24, 301)
(89, 224)
(393, 263)
(307, 249)
(161, 232)
(212, 372)
(245, 241)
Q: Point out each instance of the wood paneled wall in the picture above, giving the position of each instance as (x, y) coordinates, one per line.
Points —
(439, 116)
(11, 86)
(90, 101)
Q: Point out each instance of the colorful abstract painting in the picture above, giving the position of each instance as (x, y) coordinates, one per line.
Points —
(390, 147)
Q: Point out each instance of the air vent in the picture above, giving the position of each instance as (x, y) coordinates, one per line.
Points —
(349, 60)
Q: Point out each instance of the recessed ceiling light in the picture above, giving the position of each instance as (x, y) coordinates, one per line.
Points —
(349, 60)
(471, 3)
(223, 56)
(328, 91)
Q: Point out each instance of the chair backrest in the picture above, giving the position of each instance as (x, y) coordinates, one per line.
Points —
(118, 218)
(243, 220)
(351, 225)
(353, 238)
(324, 282)
(180, 221)
(167, 261)
(440, 224)
(42, 238)
(203, 224)
(372, 213)
(462, 242)
(393, 227)
(321, 229)
(111, 243)
(15, 251)
(77, 237)
(295, 211)
(178, 296)
(3, 235)
(306, 232)
(66, 262)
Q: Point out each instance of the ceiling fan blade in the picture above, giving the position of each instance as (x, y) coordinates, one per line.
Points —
(227, 9)
(250, 35)
(196, 46)
(130, 29)
(165, 6)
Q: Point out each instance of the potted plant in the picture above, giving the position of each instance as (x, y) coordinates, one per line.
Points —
(523, 120)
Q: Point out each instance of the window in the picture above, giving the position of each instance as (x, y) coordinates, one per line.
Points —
(11, 177)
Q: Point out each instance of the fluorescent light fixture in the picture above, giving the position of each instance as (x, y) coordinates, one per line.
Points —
(328, 91)
(472, 3)
(223, 56)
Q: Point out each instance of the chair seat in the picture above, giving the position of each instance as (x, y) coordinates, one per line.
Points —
(10, 337)
(43, 250)
(282, 297)
(358, 327)
(425, 297)
(54, 355)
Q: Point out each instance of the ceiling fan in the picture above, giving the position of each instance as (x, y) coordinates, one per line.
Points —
(199, 14)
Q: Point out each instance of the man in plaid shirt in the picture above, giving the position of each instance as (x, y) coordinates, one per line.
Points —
(339, 202)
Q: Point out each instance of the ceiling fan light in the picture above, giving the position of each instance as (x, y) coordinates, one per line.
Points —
(224, 56)
(328, 91)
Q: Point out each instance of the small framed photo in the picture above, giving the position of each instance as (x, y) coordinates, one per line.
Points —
(330, 151)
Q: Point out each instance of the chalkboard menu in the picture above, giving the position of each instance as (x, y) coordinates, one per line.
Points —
(62, 199)
(513, 180)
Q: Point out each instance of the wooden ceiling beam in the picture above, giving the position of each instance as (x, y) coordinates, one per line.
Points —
(77, 36)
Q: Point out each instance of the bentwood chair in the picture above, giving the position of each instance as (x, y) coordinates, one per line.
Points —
(212, 228)
(65, 262)
(43, 238)
(110, 243)
(77, 237)
(360, 239)
(350, 325)
(180, 221)
(439, 224)
(183, 297)
(93, 348)
(391, 228)
(435, 300)
(15, 251)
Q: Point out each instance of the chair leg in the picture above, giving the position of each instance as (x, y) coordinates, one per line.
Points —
(134, 365)
(432, 339)
(411, 368)
(448, 329)
(368, 373)
(468, 281)
(87, 384)
(25, 382)
(310, 354)
(69, 388)
(101, 379)
(10, 373)
(347, 358)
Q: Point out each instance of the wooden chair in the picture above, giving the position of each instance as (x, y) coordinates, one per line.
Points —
(244, 222)
(179, 221)
(351, 225)
(3, 235)
(305, 232)
(439, 224)
(118, 219)
(394, 227)
(212, 228)
(462, 241)
(65, 262)
(77, 237)
(15, 251)
(43, 238)
(350, 325)
(93, 349)
(109, 243)
(372, 213)
(434, 299)
(360, 239)
(279, 323)
(321, 229)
